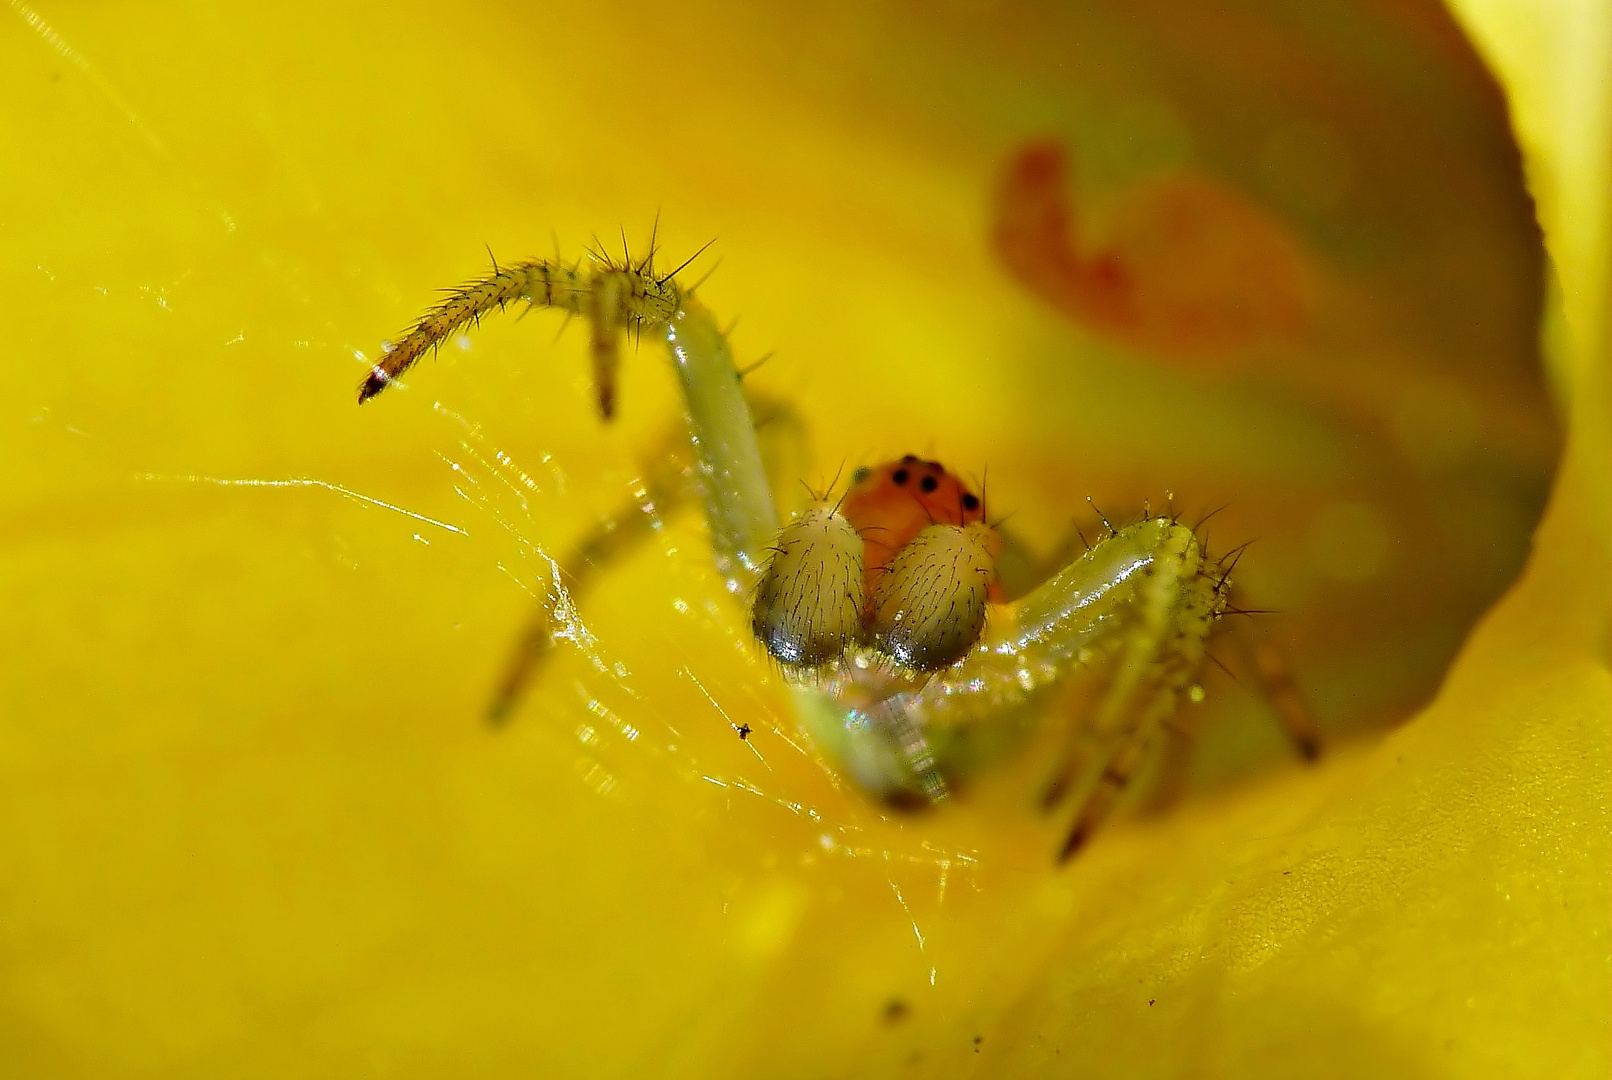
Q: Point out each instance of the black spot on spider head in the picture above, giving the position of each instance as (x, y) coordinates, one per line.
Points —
(929, 483)
(970, 501)
(900, 476)
(909, 459)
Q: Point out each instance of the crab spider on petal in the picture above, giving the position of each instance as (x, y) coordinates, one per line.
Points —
(883, 608)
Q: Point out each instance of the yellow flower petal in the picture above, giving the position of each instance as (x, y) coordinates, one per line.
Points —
(252, 822)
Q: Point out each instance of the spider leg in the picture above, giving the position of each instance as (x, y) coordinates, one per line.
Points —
(615, 299)
(1072, 754)
(730, 476)
(1174, 753)
(915, 749)
(608, 314)
(1251, 659)
(719, 443)
(1264, 661)
(1131, 618)
(1159, 653)
(1119, 767)
(734, 490)
(667, 487)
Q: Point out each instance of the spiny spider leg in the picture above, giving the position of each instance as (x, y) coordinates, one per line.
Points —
(617, 297)
(1143, 599)
(1160, 653)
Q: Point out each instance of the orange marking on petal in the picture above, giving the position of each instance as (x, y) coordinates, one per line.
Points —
(1181, 265)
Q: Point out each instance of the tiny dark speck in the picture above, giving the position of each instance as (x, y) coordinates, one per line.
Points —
(744, 731)
(1151, 1000)
(895, 1011)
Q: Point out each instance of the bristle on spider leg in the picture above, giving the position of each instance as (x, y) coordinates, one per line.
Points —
(1198, 528)
(646, 266)
(745, 372)
(681, 266)
(1101, 516)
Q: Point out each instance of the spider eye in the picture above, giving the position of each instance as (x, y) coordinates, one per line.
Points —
(930, 607)
(808, 607)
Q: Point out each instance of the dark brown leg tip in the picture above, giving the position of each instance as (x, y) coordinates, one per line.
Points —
(1071, 846)
(372, 386)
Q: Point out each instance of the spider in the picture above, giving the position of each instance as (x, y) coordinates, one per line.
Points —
(883, 609)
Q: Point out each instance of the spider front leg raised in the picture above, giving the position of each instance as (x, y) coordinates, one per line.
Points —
(617, 298)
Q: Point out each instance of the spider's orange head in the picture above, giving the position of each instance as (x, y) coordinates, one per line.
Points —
(890, 504)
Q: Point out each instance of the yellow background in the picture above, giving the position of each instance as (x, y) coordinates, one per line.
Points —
(250, 823)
